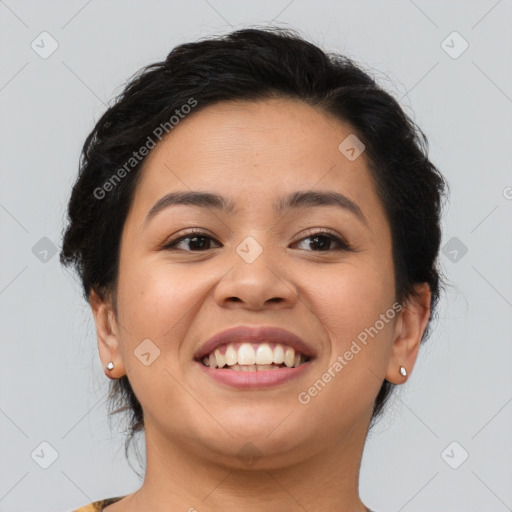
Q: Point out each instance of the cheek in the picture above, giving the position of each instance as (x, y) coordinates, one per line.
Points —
(156, 301)
(350, 304)
(355, 307)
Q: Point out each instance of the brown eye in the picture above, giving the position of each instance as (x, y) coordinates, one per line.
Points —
(324, 241)
(196, 240)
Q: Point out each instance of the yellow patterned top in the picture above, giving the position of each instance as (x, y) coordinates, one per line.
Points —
(98, 506)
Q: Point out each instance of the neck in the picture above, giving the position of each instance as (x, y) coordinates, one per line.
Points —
(177, 479)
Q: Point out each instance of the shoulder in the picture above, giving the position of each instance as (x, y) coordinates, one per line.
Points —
(98, 506)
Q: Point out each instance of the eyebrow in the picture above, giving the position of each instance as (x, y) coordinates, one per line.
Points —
(295, 200)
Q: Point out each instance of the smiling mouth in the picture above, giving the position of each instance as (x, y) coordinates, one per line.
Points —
(254, 357)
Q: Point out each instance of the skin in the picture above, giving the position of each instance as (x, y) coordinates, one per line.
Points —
(255, 152)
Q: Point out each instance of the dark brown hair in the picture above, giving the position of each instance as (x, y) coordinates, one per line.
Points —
(253, 64)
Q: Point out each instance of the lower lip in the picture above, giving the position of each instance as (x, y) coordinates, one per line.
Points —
(254, 379)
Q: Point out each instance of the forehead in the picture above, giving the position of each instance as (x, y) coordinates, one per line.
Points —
(255, 152)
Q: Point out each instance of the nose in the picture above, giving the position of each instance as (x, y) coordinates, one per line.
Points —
(258, 279)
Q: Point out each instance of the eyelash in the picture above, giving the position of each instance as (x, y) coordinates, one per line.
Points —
(342, 244)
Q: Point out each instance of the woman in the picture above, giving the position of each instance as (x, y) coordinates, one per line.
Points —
(256, 225)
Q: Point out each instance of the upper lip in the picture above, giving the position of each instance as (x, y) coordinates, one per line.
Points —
(248, 334)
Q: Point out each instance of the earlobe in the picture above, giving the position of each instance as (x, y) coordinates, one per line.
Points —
(107, 334)
(408, 333)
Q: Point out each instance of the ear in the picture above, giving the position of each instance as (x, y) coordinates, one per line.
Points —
(108, 334)
(409, 329)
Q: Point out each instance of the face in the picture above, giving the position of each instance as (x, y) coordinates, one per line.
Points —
(323, 272)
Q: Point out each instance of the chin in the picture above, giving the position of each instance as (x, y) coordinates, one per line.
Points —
(260, 439)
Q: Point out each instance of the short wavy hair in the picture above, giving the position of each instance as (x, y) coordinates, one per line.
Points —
(254, 64)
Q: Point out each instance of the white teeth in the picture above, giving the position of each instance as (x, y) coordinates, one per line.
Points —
(264, 354)
(265, 367)
(231, 356)
(253, 367)
(289, 357)
(247, 358)
(246, 354)
(278, 354)
(221, 360)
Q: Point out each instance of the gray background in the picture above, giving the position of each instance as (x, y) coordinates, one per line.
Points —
(52, 385)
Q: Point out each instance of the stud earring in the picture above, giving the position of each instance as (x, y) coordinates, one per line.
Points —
(110, 366)
(403, 371)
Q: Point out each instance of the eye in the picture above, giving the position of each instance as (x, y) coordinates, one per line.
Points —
(200, 241)
(197, 239)
(324, 241)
